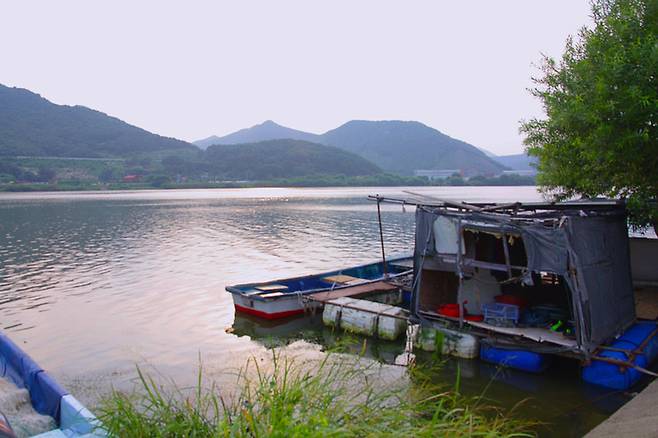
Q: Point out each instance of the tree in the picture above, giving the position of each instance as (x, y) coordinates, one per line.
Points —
(600, 137)
(46, 174)
(159, 180)
(107, 175)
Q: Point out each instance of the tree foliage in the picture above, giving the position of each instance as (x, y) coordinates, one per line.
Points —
(601, 100)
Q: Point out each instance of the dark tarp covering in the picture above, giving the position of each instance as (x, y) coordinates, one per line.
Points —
(423, 246)
(546, 248)
(19, 368)
(591, 252)
(599, 248)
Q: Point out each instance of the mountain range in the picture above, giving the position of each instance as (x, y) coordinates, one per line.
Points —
(41, 141)
(396, 146)
(31, 126)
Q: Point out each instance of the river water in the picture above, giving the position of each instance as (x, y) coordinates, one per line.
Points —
(92, 284)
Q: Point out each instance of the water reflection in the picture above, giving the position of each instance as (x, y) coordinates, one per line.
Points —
(98, 279)
(92, 283)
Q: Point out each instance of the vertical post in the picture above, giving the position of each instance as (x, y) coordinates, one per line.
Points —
(460, 271)
(507, 258)
(381, 235)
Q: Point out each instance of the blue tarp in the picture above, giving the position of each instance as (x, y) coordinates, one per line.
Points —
(18, 367)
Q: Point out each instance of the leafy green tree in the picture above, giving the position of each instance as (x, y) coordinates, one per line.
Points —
(600, 136)
(46, 174)
(107, 175)
(159, 180)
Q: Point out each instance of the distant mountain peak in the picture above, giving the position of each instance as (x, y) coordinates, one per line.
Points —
(397, 146)
(267, 130)
(404, 147)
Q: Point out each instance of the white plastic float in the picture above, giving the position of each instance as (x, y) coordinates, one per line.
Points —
(365, 317)
(448, 341)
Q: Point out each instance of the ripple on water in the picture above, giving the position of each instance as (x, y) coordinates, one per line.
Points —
(90, 284)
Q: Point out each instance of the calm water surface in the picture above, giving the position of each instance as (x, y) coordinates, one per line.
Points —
(93, 283)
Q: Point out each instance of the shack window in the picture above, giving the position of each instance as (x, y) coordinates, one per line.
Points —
(446, 235)
(495, 250)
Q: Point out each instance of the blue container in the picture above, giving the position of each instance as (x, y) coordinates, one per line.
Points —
(616, 377)
(523, 360)
(501, 314)
(406, 298)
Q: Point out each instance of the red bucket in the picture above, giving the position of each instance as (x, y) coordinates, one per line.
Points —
(451, 310)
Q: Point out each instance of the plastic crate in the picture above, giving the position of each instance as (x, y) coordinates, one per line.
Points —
(501, 314)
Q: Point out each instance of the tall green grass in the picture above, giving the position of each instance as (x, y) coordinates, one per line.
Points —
(335, 398)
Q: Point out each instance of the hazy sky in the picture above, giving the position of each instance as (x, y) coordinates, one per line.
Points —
(190, 69)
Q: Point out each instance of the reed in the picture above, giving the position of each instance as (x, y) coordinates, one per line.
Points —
(335, 398)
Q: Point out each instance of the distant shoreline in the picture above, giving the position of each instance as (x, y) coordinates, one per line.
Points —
(9, 188)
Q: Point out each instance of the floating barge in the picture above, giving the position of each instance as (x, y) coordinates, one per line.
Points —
(46, 395)
(292, 296)
(529, 280)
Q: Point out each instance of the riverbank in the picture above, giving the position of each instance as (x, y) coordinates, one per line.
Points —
(323, 394)
(638, 418)
(382, 180)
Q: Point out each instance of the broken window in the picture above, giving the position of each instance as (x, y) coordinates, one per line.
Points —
(496, 250)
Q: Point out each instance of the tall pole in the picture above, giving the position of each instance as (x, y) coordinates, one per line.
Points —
(381, 235)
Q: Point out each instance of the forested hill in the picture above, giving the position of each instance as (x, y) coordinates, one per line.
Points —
(33, 126)
(402, 147)
(267, 130)
(283, 159)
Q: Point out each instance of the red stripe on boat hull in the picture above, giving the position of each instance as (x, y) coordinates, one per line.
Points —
(261, 314)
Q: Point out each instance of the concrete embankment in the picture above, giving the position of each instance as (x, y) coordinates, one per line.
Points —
(638, 418)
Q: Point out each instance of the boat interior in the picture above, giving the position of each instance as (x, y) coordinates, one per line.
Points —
(329, 280)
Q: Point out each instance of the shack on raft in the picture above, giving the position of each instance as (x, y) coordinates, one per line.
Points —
(536, 278)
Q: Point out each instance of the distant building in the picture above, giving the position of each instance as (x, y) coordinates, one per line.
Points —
(437, 173)
(531, 172)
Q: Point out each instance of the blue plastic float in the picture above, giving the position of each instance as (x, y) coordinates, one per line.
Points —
(523, 360)
(639, 338)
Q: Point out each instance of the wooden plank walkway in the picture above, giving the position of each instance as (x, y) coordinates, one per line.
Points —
(353, 291)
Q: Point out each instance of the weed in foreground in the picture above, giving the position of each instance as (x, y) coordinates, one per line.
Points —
(337, 397)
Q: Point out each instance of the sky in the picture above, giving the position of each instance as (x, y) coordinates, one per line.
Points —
(191, 69)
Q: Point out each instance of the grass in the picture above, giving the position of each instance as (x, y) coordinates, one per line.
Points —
(335, 398)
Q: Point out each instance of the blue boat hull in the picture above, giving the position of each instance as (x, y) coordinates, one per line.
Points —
(46, 395)
(522, 360)
(614, 376)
